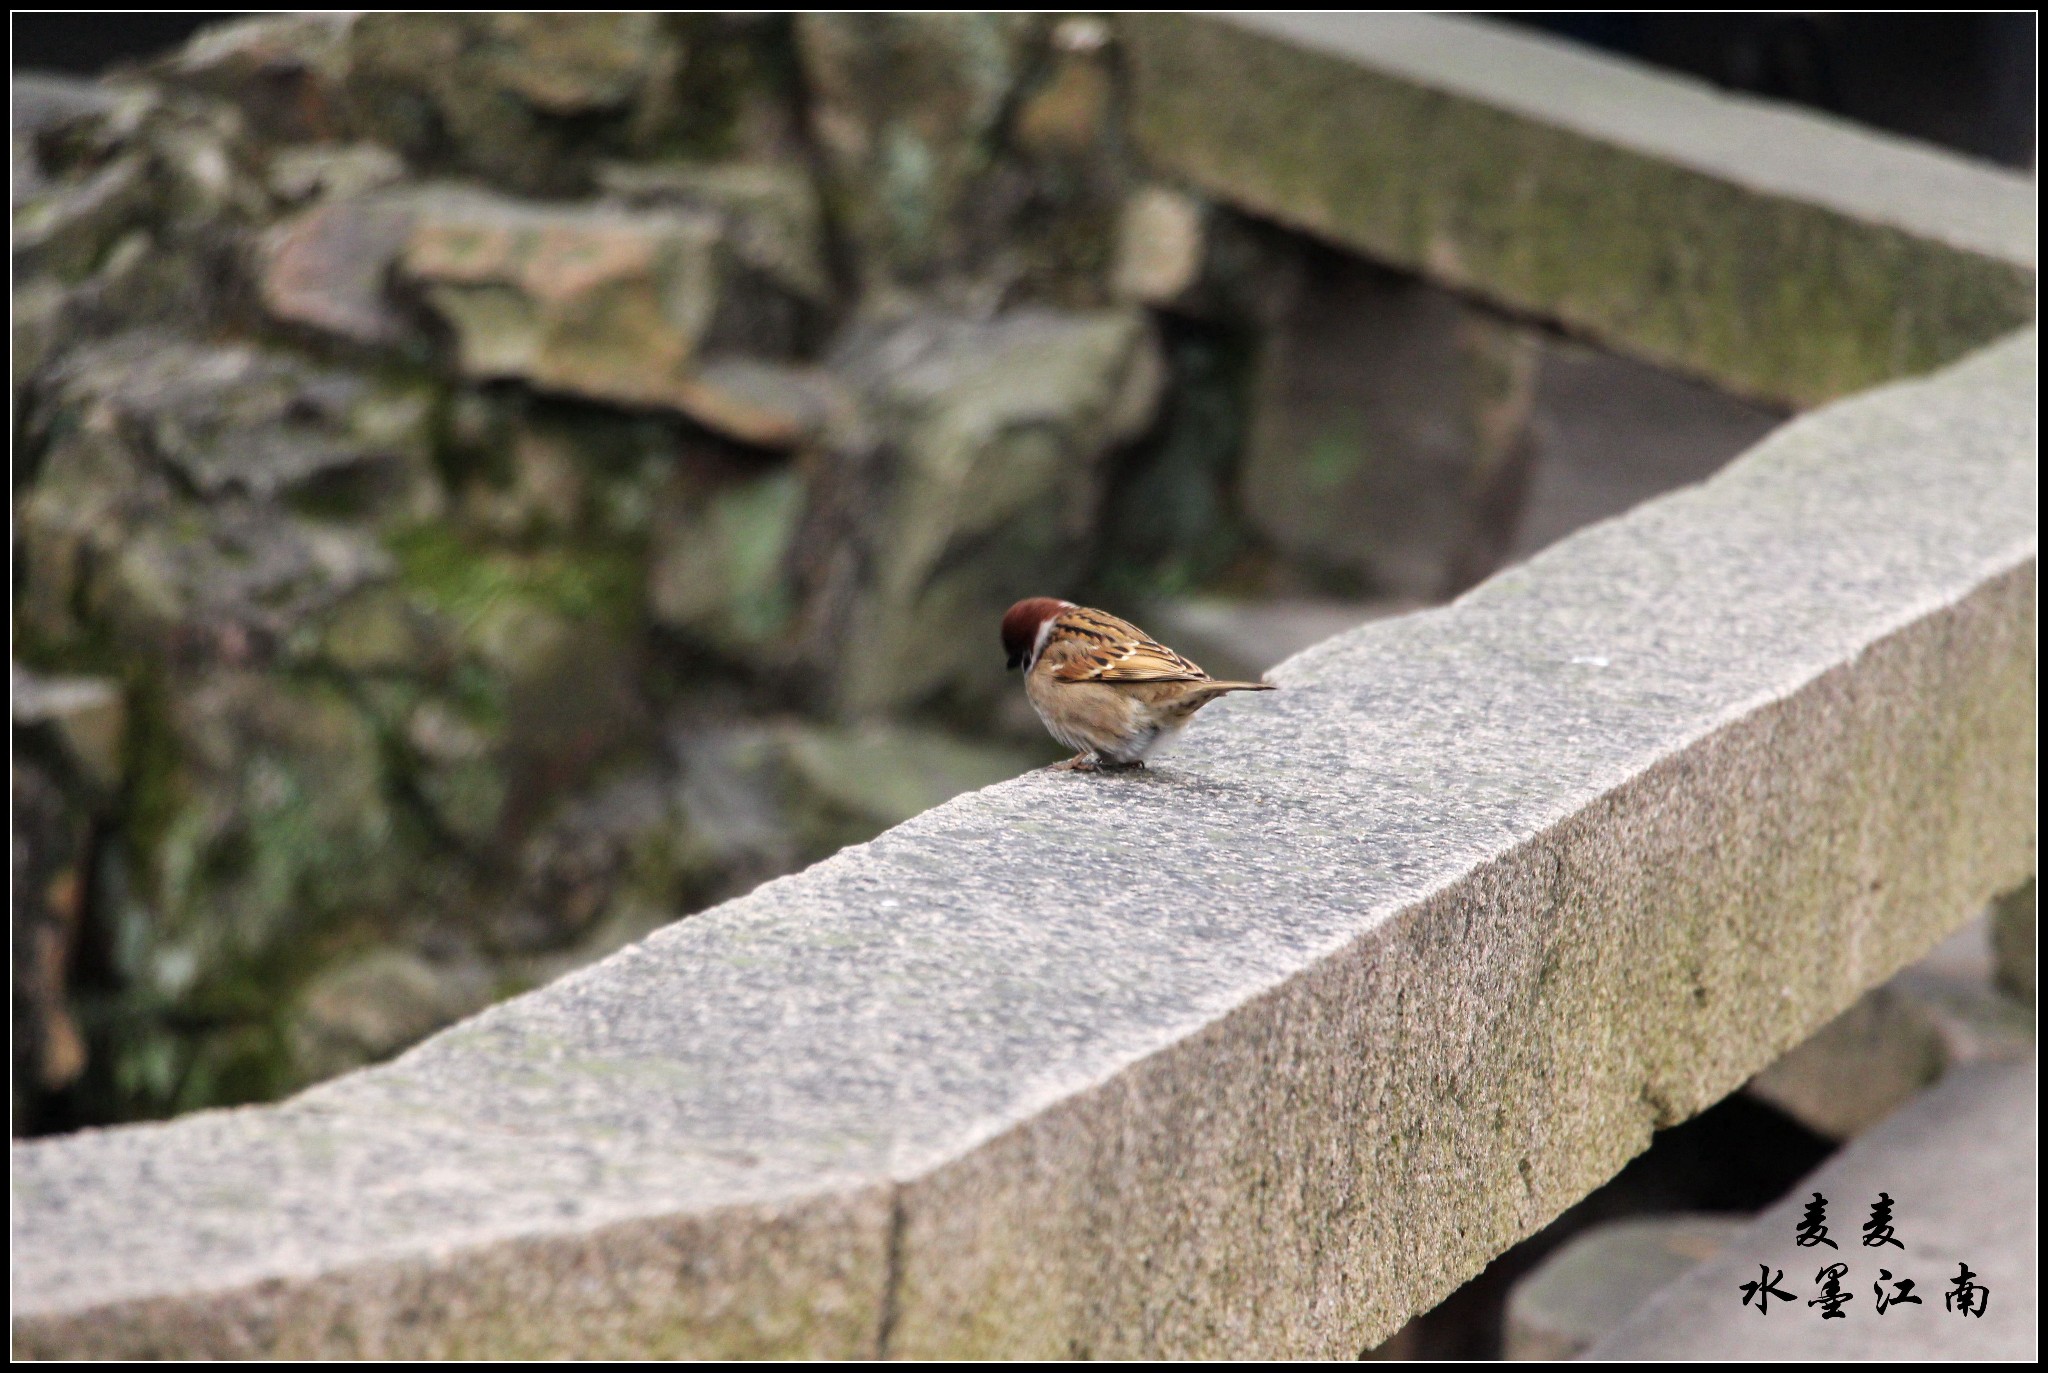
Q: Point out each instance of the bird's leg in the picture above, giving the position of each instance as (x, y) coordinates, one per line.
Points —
(1080, 762)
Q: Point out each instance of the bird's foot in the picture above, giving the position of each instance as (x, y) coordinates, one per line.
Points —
(1090, 762)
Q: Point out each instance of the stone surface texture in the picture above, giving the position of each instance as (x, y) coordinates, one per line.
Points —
(1782, 255)
(1959, 1164)
(1257, 1053)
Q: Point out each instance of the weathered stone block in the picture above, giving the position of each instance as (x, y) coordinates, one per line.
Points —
(1390, 432)
(608, 303)
(770, 212)
(1786, 257)
(328, 268)
(767, 403)
(599, 302)
(326, 171)
(1597, 1280)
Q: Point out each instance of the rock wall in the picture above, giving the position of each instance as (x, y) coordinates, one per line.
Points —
(503, 473)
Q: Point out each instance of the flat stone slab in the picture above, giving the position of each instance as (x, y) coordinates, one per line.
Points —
(1257, 1053)
(1784, 255)
(1598, 1279)
(1959, 1165)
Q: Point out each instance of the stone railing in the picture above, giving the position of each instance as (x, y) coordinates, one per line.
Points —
(1776, 253)
(1265, 1050)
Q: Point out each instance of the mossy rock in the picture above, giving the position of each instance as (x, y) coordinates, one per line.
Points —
(721, 568)
(535, 684)
(155, 510)
(977, 482)
(531, 102)
(907, 110)
(514, 98)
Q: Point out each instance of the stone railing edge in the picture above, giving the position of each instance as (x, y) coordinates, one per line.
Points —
(1780, 254)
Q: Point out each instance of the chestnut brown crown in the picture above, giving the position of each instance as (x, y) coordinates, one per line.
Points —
(1021, 622)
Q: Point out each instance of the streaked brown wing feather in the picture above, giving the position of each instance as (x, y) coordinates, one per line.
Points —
(1102, 648)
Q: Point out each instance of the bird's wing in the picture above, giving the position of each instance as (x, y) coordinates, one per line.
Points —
(1096, 647)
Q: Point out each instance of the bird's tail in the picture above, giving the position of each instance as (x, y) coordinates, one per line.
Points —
(1218, 688)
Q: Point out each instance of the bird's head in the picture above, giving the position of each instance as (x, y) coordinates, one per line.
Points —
(1025, 626)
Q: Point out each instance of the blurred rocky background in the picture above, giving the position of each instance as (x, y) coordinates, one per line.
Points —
(488, 485)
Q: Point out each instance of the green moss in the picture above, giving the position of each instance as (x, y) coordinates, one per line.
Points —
(453, 575)
(149, 767)
(754, 525)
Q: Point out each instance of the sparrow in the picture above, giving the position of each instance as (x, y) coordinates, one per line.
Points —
(1101, 685)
